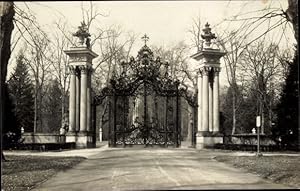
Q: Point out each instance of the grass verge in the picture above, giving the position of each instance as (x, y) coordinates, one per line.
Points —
(25, 172)
(280, 169)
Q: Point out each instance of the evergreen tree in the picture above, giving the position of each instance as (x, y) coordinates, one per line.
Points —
(11, 130)
(21, 91)
(52, 115)
(287, 109)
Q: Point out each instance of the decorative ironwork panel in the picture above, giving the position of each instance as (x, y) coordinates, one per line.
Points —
(145, 118)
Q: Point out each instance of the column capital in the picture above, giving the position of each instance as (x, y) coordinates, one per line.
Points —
(72, 69)
(205, 70)
(199, 73)
(84, 69)
(217, 70)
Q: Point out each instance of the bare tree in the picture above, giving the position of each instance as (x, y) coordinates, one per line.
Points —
(30, 34)
(178, 59)
(252, 26)
(234, 47)
(62, 40)
(114, 48)
(261, 66)
(195, 33)
(90, 16)
(257, 24)
(285, 57)
(39, 67)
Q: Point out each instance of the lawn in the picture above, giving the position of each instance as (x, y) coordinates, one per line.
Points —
(25, 172)
(279, 169)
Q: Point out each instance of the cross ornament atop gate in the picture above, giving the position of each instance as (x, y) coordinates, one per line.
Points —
(145, 38)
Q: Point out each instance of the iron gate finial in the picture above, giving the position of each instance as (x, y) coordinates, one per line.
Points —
(145, 38)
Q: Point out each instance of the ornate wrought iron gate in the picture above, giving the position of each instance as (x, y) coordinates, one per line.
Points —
(144, 104)
(145, 117)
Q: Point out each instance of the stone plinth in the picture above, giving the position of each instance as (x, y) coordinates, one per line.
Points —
(85, 140)
(71, 137)
(207, 139)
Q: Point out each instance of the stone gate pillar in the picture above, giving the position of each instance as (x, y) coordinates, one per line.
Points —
(80, 67)
(208, 109)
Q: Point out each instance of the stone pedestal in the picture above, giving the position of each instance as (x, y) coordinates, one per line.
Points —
(71, 137)
(208, 139)
(85, 140)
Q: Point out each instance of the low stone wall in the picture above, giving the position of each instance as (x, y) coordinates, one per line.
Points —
(245, 147)
(43, 138)
(248, 139)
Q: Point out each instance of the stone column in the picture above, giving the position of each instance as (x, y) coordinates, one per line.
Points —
(200, 102)
(210, 103)
(83, 99)
(72, 100)
(77, 99)
(88, 100)
(205, 100)
(216, 109)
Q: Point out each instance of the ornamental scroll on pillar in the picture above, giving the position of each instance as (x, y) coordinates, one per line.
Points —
(208, 110)
(80, 65)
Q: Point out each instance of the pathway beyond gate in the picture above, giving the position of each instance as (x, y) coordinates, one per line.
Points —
(154, 169)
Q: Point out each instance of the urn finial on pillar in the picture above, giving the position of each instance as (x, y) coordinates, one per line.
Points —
(83, 35)
(208, 35)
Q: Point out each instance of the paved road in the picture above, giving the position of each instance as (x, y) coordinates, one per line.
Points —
(154, 169)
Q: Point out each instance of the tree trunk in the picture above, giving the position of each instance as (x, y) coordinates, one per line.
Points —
(6, 22)
(292, 15)
(233, 111)
(270, 116)
(35, 109)
(63, 98)
(261, 113)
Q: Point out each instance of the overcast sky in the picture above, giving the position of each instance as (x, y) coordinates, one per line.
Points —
(165, 22)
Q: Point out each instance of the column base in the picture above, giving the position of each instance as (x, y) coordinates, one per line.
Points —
(71, 137)
(208, 139)
(85, 140)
